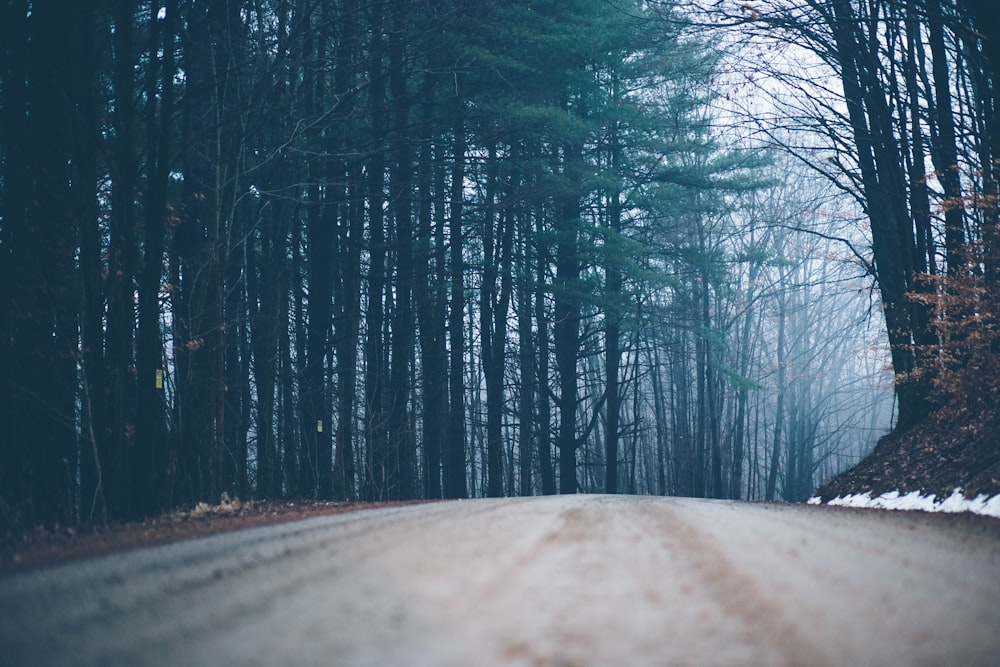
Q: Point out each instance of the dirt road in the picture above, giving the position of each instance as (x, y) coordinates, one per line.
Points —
(577, 580)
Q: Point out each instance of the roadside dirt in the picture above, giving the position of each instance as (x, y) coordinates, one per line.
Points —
(43, 547)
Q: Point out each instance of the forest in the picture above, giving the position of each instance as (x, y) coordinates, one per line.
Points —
(402, 249)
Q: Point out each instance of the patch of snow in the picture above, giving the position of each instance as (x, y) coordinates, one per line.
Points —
(893, 500)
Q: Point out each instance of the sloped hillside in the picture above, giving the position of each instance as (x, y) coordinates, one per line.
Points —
(955, 448)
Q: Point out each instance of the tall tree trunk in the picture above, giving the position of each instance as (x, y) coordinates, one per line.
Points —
(684, 454)
(944, 152)
(263, 300)
(377, 463)
(348, 332)
(115, 443)
(433, 359)
(493, 319)
(659, 408)
(197, 299)
(713, 407)
(440, 318)
(566, 328)
(740, 440)
(348, 297)
(883, 184)
(919, 192)
(501, 313)
(779, 408)
(401, 481)
(985, 41)
(293, 355)
(544, 428)
(454, 457)
(614, 297)
(93, 375)
(315, 471)
(527, 353)
(150, 462)
(41, 230)
(14, 198)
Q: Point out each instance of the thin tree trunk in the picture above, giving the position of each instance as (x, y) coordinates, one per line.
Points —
(376, 454)
(612, 328)
(401, 481)
(544, 388)
(944, 152)
(527, 352)
(566, 328)
(779, 408)
(150, 464)
(454, 458)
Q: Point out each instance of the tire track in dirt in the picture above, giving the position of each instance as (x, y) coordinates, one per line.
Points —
(768, 624)
(897, 588)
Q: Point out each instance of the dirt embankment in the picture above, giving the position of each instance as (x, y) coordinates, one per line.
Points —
(956, 448)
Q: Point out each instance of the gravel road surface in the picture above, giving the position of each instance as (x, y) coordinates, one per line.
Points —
(559, 581)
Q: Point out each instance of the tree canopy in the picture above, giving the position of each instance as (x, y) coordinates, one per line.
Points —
(412, 249)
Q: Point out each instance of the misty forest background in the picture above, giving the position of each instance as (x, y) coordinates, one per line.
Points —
(395, 249)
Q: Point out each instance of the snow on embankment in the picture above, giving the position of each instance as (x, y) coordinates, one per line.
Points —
(914, 500)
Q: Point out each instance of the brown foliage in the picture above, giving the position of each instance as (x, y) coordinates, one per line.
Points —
(963, 366)
(956, 446)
